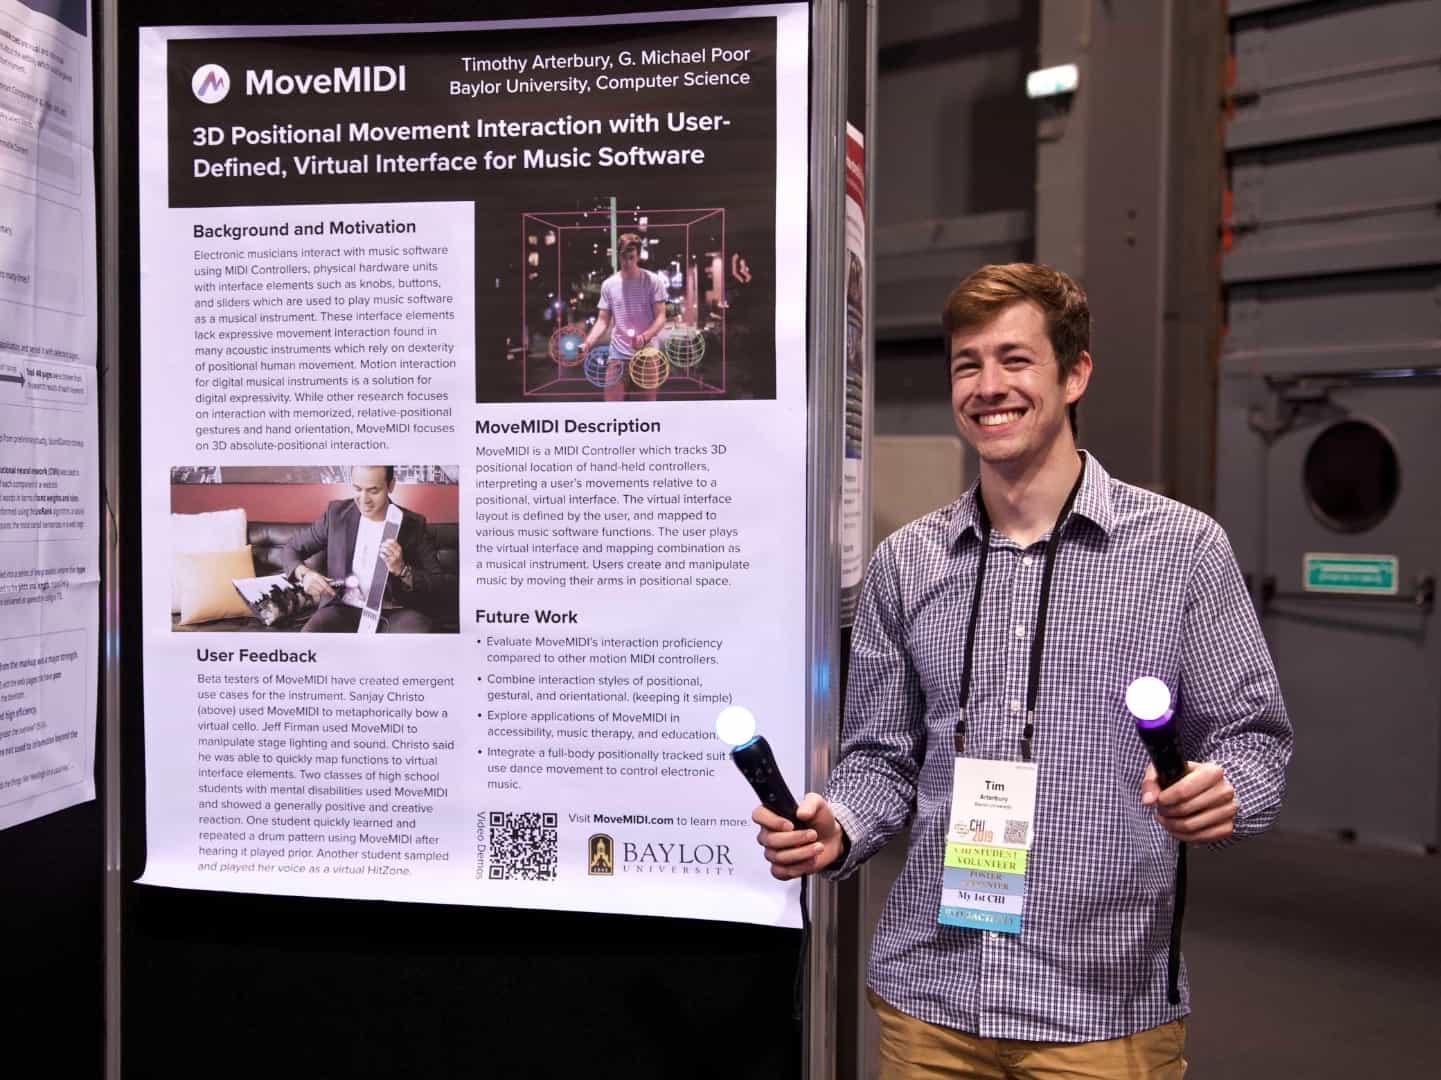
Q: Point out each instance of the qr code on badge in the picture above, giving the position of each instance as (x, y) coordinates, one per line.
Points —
(523, 846)
(1016, 831)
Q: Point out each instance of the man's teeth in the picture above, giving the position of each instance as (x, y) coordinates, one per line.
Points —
(993, 419)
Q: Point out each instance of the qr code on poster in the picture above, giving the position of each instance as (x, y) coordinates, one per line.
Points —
(524, 846)
(1016, 831)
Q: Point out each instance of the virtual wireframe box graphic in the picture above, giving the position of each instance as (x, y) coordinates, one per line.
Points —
(567, 258)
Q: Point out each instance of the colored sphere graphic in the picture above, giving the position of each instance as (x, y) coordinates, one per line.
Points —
(565, 345)
(649, 368)
(684, 346)
(601, 369)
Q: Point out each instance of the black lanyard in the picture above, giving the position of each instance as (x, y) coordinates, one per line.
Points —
(1033, 682)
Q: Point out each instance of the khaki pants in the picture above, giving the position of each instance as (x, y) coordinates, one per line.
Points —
(912, 1049)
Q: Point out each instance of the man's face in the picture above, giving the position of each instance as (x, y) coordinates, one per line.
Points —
(1006, 392)
(629, 260)
(372, 493)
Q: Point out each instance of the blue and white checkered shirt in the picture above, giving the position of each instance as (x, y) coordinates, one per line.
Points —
(1143, 586)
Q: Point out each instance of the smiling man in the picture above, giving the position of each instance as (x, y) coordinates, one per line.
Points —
(1033, 930)
(351, 533)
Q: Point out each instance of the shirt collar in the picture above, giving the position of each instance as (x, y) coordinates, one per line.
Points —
(1093, 502)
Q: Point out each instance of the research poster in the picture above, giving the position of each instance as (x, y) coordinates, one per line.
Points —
(854, 552)
(474, 461)
(49, 449)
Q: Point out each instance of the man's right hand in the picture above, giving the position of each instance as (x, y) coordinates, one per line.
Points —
(796, 852)
(315, 584)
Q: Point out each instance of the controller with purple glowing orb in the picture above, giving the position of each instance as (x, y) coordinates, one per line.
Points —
(1149, 701)
(753, 757)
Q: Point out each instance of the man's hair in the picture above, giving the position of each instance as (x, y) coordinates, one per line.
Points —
(626, 241)
(981, 296)
(984, 293)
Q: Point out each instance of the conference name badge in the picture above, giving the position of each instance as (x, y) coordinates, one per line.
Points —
(993, 805)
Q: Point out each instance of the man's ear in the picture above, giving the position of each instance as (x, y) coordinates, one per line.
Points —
(1078, 378)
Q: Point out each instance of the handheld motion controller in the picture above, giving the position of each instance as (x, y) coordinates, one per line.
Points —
(1149, 701)
(752, 756)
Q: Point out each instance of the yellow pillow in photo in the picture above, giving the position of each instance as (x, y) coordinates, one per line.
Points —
(206, 592)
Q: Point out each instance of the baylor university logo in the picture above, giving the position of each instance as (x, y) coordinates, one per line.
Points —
(600, 855)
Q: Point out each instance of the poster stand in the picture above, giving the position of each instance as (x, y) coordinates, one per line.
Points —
(309, 986)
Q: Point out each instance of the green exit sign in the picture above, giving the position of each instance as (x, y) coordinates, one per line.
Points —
(1373, 575)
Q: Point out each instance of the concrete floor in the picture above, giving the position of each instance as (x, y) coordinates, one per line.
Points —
(1314, 958)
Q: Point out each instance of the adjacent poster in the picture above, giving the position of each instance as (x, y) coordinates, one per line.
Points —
(854, 550)
(473, 388)
(49, 448)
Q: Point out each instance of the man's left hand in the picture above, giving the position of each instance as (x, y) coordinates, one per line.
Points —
(393, 556)
(1199, 808)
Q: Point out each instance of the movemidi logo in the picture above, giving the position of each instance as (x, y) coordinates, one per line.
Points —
(210, 83)
(360, 79)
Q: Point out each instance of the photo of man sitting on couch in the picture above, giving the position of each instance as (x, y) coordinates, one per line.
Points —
(299, 548)
(350, 533)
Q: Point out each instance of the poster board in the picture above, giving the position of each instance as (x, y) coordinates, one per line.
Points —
(49, 415)
(334, 272)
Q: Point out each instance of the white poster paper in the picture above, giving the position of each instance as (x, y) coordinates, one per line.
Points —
(552, 278)
(49, 449)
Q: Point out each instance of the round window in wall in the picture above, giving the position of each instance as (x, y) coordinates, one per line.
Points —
(1352, 476)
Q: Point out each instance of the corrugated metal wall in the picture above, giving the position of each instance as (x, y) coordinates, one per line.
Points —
(1329, 427)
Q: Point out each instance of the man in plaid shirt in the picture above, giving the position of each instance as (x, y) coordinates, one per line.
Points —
(1140, 585)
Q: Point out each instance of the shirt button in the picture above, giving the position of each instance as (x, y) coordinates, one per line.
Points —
(1026, 561)
(1015, 706)
(993, 935)
(1020, 631)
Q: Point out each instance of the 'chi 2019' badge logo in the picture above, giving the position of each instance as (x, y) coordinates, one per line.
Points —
(210, 83)
(600, 855)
